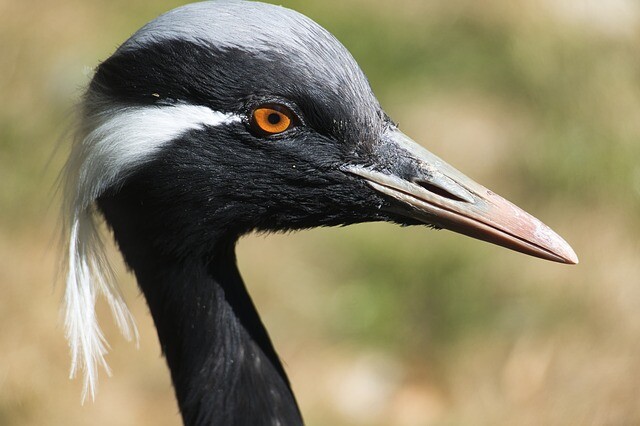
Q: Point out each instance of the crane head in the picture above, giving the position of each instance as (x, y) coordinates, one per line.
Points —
(220, 118)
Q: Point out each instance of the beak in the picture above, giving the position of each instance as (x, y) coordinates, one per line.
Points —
(431, 191)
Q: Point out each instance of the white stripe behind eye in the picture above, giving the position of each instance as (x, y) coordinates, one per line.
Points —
(108, 147)
(123, 139)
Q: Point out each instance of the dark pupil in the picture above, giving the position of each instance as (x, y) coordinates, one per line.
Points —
(274, 118)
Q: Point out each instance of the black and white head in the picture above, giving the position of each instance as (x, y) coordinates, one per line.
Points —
(222, 118)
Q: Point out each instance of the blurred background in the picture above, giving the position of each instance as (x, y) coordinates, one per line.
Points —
(378, 325)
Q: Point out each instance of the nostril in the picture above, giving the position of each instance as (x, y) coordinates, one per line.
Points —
(438, 190)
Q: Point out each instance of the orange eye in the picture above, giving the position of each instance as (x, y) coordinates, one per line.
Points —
(272, 119)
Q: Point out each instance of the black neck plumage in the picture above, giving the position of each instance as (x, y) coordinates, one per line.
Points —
(223, 365)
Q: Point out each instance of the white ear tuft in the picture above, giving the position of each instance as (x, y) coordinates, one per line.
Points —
(89, 274)
(110, 144)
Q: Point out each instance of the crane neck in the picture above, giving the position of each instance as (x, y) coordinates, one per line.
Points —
(224, 368)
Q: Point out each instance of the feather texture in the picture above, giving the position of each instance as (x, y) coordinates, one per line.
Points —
(108, 147)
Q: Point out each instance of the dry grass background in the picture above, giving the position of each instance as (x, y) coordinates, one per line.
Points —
(377, 325)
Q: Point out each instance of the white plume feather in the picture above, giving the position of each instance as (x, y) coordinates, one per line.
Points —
(109, 145)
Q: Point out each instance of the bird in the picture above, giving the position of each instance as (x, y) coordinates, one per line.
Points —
(215, 120)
